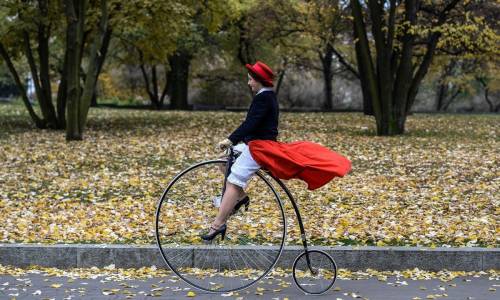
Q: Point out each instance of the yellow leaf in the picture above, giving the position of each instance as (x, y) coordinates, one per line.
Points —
(191, 294)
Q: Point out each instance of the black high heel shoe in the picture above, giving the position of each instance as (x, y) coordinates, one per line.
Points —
(245, 201)
(209, 237)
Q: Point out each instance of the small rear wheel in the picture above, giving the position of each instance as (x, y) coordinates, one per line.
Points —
(314, 272)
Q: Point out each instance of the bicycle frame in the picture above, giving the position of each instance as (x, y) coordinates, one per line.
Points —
(231, 159)
(299, 218)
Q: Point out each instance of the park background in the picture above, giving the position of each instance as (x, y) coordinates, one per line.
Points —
(105, 101)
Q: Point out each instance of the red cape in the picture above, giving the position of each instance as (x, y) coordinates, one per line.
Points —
(313, 163)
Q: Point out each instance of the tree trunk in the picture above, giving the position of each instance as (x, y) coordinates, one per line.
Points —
(440, 95)
(443, 86)
(371, 101)
(178, 80)
(486, 89)
(281, 75)
(93, 65)
(486, 97)
(165, 88)
(246, 51)
(154, 81)
(43, 56)
(326, 62)
(100, 61)
(62, 93)
(451, 99)
(391, 83)
(42, 91)
(75, 12)
(429, 54)
(78, 98)
(93, 100)
(20, 86)
(40, 73)
(150, 89)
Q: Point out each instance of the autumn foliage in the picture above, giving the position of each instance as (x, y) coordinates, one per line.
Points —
(437, 185)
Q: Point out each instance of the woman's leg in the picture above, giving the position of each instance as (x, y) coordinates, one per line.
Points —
(242, 194)
(241, 171)
(231, 196)
(222, 169)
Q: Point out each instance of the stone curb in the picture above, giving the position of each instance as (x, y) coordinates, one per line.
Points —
(352, 258)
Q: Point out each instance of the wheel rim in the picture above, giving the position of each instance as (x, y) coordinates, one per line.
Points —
(254, 238)
(325, 274)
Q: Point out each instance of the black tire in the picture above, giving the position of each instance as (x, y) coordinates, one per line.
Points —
(185, 211)
(314, 283)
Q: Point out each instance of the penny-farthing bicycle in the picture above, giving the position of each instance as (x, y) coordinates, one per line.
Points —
(255, 234)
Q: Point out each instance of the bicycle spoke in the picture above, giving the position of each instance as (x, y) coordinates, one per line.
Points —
(314, 283)
(186, 208)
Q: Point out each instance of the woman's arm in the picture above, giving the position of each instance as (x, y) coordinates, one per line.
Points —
(255, 114)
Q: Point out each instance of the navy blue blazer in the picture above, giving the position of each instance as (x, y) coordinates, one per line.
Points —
(261, 122)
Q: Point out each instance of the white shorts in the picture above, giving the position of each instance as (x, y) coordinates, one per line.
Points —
(244, 166)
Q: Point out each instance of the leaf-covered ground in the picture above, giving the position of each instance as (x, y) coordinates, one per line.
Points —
(113, 273)
(436, 185)
(145, 283)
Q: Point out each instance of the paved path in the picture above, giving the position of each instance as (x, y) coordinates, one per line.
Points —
(43, 286)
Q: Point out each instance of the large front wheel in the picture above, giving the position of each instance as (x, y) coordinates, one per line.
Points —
(254, 238)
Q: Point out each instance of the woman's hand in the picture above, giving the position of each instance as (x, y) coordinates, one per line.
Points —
(223, 145)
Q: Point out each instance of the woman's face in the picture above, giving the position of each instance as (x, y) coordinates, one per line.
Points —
(254, 84)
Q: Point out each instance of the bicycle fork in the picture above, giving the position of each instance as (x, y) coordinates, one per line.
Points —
(301, 225)
(229, 164)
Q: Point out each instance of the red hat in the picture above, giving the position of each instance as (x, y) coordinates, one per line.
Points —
(261, 72)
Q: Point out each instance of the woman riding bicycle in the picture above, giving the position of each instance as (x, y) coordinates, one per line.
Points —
(261, 123)
(308, 161)
(258, 237)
